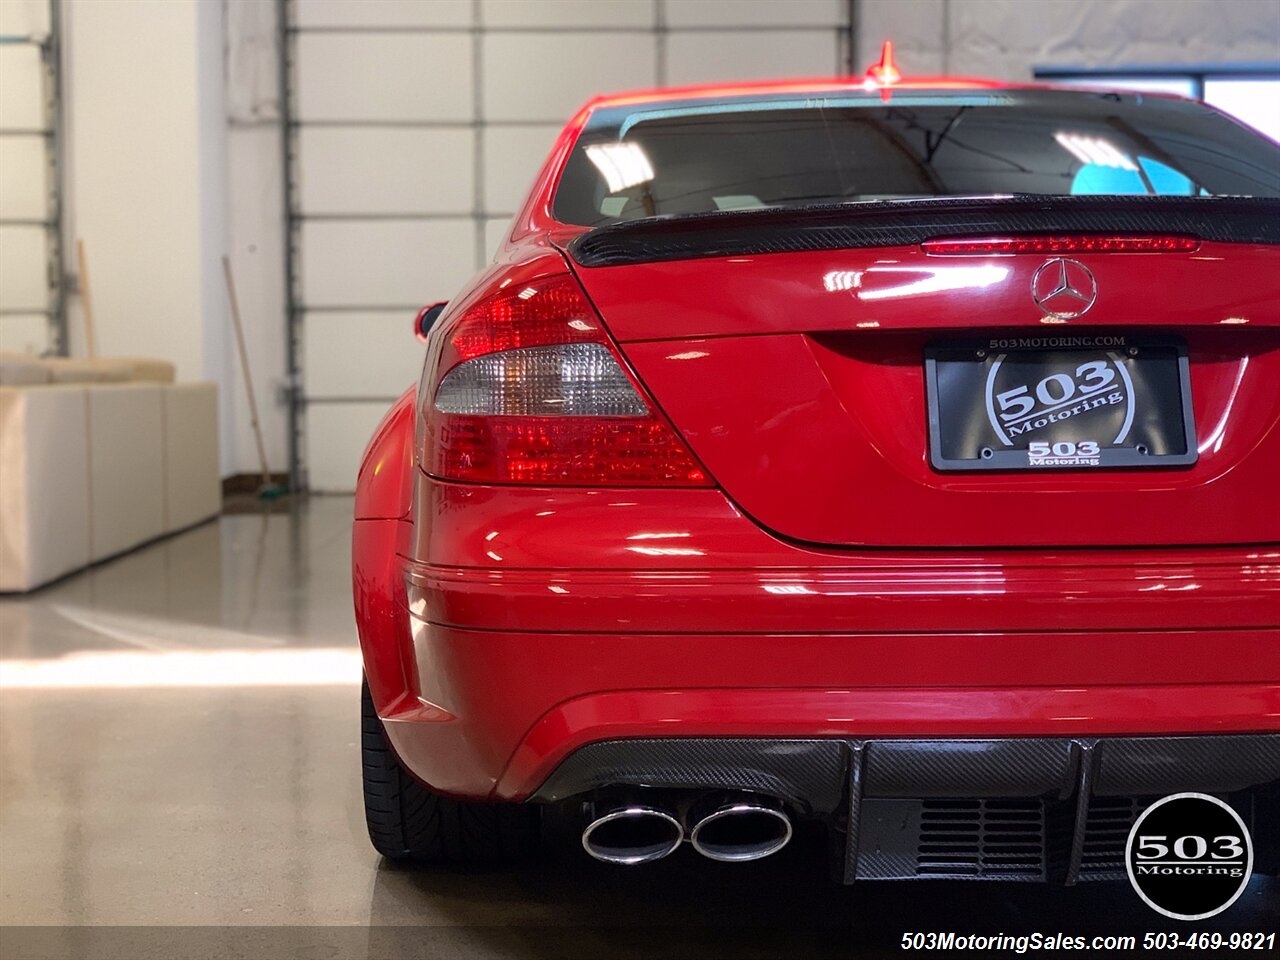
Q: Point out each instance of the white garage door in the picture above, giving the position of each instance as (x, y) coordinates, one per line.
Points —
(30, 276)
(417, 125)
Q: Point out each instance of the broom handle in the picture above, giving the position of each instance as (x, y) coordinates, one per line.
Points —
(244, 366)
(90, 331)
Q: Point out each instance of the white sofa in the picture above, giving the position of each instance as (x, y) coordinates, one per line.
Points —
(97, 457)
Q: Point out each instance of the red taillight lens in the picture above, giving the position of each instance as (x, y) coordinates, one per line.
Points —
(545, 310)
(530, 389)
(593, 451)
(1083, 243)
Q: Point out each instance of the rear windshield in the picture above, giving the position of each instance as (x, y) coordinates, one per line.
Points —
(699, 156)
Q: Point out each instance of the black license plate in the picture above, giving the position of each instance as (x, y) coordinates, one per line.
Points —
(1056, 403)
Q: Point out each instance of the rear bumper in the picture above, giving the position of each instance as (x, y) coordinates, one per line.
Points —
(664, 561)
(493, 713)
(536, 622)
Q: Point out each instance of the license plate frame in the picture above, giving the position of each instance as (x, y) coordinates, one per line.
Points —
(1160, 439)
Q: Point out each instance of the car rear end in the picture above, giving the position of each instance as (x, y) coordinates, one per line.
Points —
(903, 461)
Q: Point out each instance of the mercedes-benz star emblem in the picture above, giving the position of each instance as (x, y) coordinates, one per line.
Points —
(1064, 289)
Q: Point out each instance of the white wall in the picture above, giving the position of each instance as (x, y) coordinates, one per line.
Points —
(256, 227)
(1006, 39)
(216, 336)
(146, 181)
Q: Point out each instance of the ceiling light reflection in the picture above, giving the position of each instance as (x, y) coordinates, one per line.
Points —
(935, 280)
(1094, 150)
(621, 164)
(834, 281)
(666, 551)
(1214, 440)
(195, 668)
(689, 355)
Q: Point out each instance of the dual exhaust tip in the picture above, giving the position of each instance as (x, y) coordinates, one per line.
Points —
(735, 830)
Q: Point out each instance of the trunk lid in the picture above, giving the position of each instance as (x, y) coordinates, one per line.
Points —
(799, 380)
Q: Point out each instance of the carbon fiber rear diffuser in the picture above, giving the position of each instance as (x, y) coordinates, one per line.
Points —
(1053, 809)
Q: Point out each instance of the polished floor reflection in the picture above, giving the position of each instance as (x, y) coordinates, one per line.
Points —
(178, 748)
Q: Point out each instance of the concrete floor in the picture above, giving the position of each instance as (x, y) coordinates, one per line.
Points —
(178, 757)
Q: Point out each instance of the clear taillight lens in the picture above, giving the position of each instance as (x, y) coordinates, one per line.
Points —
(564, 379)
(531, 390)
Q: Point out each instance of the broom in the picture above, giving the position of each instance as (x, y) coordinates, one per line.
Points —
(268, 490)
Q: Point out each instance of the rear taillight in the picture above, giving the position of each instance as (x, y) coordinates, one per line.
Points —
(1079, 243)
(530, 389)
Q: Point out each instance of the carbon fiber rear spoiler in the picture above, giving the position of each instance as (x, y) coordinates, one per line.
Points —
(891, 223)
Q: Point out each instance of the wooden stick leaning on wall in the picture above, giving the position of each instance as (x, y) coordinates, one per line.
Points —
(90, 331)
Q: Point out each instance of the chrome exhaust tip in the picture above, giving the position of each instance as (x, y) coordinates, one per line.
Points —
(741, 830)
(632, 834)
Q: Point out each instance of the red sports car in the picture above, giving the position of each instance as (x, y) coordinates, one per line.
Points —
(895, 455)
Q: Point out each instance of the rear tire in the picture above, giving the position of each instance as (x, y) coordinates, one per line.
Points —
(408, 821)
